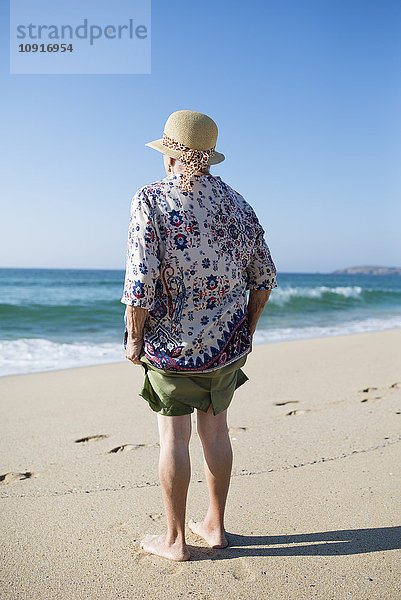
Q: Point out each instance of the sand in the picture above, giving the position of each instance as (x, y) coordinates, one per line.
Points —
(314, 505)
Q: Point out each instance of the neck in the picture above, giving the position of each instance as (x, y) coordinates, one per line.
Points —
(182, 171)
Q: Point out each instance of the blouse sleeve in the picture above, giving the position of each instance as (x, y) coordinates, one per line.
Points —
(143, 255)
(261, 270)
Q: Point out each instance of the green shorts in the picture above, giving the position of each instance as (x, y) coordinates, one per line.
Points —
(175, 394)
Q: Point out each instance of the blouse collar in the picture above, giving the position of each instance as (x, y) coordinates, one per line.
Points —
(178, 176)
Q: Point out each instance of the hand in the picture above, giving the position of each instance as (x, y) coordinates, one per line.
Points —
(134, 350)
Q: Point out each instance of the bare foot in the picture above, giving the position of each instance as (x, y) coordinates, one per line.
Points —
(156, 544)
(214, 537)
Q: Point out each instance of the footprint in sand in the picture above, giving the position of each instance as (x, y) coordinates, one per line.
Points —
(161, 567)
(237, 429)
(241, 570)
(12, 476)
(371, 399)
(157, 517)
(286, 402)
(90, 438)
(293, 413)
(127, 447)
(393, 386)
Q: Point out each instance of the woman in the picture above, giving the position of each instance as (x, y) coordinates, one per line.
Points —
(194, 247)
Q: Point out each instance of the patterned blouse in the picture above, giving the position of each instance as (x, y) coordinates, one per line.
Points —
(191, 257)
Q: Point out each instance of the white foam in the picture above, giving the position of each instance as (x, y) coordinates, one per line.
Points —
(33, 355)
(281, 296)
(291, 333)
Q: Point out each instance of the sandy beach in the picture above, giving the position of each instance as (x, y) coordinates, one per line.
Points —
(314, 505)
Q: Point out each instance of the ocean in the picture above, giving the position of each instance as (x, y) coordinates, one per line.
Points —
(56, 319)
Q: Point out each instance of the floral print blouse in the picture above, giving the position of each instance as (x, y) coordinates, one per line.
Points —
(191, 257)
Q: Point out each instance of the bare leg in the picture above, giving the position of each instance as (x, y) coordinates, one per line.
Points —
(174, 473)
(218, 456)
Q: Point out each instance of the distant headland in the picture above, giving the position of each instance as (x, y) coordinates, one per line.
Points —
(368, 270)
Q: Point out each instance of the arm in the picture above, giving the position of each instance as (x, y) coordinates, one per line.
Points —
(136, 317)
(261, 273)
(256, 303)
(142, 271)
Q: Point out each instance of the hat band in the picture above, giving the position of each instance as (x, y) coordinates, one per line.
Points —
(194, 160)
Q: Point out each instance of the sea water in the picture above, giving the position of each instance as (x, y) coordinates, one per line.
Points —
(55, 319)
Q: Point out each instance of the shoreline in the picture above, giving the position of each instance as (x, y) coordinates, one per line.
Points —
(256, 344)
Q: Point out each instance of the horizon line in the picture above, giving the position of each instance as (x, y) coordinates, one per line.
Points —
(333, 272)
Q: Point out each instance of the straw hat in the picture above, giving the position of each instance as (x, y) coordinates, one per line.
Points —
(188, 130)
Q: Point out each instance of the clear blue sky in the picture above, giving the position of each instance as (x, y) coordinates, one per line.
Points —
(307, 97)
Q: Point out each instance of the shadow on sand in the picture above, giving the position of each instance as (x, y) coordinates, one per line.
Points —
(323, 543)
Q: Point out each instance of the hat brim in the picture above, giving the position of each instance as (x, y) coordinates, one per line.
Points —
(216, 158)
